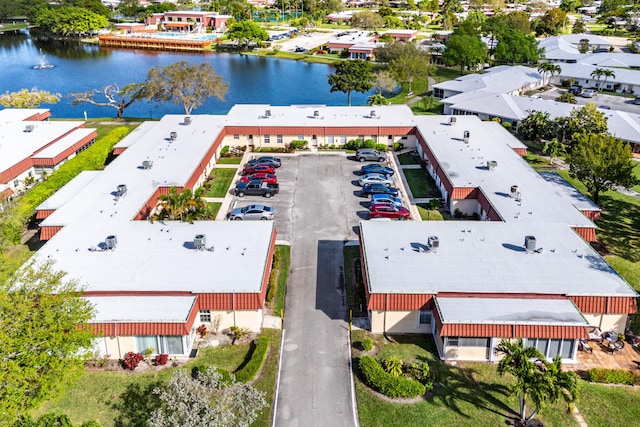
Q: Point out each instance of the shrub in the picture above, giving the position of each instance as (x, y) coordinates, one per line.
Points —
(376, 378)
(397, 146)
(418, 371)
(507, 125)
(259, 355)
(381, 147)
(202, 330)
(238, 332)
(393, 365)
(353, 144)
(132, 360)
(273, 277)
(91, 423)
(298, 144)
(613, 376)
(457, 213)
(161, 359)
(225, 151)
(369, 143)
(367, 344)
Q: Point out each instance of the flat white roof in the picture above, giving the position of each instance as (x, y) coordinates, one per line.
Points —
(500, 79)
(510, 311)
(132, 309)
(63, 143)
(20, 114)
(484, 257)
(69, 191)
(16, 144)
(576, 198)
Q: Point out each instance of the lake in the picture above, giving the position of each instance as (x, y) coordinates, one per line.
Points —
(79, 67)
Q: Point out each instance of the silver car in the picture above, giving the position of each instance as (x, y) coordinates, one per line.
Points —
(370, 154)
(375, 178)
(252, 212)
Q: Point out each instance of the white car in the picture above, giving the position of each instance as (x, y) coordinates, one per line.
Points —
(375, 178)
(589, 93)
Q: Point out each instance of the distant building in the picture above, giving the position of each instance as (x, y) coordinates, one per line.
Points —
(189, 21)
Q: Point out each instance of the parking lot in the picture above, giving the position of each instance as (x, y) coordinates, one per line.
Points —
(600, 99)
(324, 186)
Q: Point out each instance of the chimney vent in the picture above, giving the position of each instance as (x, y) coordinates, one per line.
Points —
(111, 242)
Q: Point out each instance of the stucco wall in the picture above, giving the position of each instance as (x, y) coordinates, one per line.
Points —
(466, 353)
(608, 322)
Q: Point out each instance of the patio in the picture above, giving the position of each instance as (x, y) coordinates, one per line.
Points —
(601, 357)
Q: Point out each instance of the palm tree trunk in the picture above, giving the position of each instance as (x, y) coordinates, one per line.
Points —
(349, 98)
(523, 408)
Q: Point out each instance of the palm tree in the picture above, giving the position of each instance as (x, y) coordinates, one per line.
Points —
(607, 74)
(597, 74)
(546, 68)
(553, 149)
(564, 384)
(186, 205)
(377, 99)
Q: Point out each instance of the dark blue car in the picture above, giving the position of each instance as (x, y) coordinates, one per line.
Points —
(376, 168)
(274, 162)
(368, 189)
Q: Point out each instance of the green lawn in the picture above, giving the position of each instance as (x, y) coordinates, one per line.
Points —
(420, 183)
(214, 208)
(468, 394)
(283, 274)
(124, 398)
(104, 129)
(408, 159)
(429, 215)
(418, 108)
(221, 181)
(229, 160)
(606, 406)
(636, 172)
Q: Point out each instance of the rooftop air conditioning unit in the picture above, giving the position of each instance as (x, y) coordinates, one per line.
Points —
(433, 242)
(187, 120)
(173, 135)
(111, 242)
(491, 164)
(267, 113)
(316, 113)
(200, 241)
(466, 135)
(452, 121)
(373, 113)
(122, 190)
(530, 243)
(147, 164)
(29, 128)
(514, 190)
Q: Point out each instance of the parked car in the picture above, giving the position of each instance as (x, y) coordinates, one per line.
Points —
(589, 93)
(252, 212)
(375, 178)
(379, 189)
(575, 89)
(386, 198)
(262, 176)
(376, 168)
(256, 188)
(370, 154)
(262, 168)
(604, 107)
(386, 210)
(274, 162)
(637, 100)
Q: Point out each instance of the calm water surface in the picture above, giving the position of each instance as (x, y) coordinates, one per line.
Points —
(80, 67)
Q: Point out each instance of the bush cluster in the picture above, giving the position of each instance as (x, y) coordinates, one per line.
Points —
(387, 384)
(354, 144)
(132, 360)
(298, 144)
(613, 376)
(273, 277)
(367, 344)
(161, 359)
(259, 355)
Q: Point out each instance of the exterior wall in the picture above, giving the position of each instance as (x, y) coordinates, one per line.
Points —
(468, 206)
(399, 322)
(608, 322)
(251, 319)
(466, 353)
(376, 319)
(117, 346)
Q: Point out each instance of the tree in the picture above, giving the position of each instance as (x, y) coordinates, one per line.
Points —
(411, 65)
(184, 84)
(246, 32)
(384, 82)
(44, 336)
(579, 27)
(116, 98)
(515, 46)
(69, 21)
(206, 401)
(536, 379)
(366, 20)
(549, 68)
(601, 162)
(551, 22)
(351, 76)
(377, 99)
(607, 74)
(587, 119)
(464, 50)
(554, 149)
(185, 205)
(28, 99)
(567, 97)
(535, 126)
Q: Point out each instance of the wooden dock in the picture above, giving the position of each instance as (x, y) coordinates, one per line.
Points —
(131, 41)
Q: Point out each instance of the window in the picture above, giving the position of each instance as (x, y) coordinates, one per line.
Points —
(390, 136)
(375, 138)
(330, 140)
(300, 137)
(171, 344)
(146, 341)
(267, 139)
(279, 139)
(168, 344)
(552, 347)
(467, 342)
(361, 137)
(205, 316)
(424, 318)
(236, 136)
(343, 139)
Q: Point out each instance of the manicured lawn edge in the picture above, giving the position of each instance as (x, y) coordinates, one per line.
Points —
(221, 179)
(281, 281)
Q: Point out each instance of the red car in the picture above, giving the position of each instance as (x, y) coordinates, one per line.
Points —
(386, 210)
(261, 176)
(248, 170)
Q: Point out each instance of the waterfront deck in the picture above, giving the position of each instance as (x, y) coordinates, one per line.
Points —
(148, 41)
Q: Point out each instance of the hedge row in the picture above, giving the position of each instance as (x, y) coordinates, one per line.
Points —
(387, 384)
(273, 277)
(93, 158)
(248, 371)
(613, 376)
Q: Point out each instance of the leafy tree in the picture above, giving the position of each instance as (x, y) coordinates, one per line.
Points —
(464, 50)
(536, 379)
(551, 22)
(366, 20)
(554, 149)
(384, 82)
(448, 13)
(129, 7)
(601, 162)
(115, 97)
(69, 21)
(535, 126)
(570, 5)
(500, 23)
(587, 119)
(44, 338)
(515, 46)
(183, 84)
(579, 27)
(206, 401)
(246, 32)
(28, 99)
(351, 76)
(583, 46)
(94, 6)
(413, 64)
(377, 99)
(567, 97)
